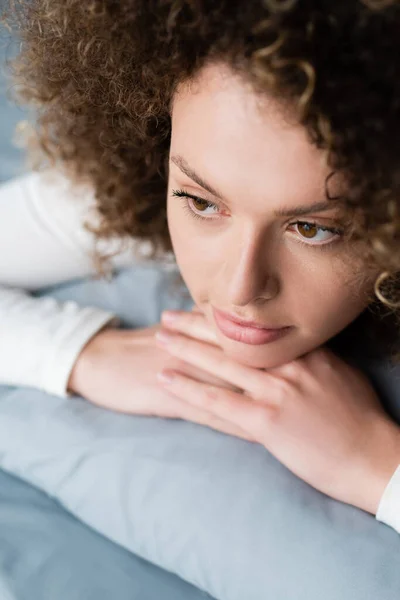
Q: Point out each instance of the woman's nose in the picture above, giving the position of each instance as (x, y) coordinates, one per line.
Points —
(249, 277)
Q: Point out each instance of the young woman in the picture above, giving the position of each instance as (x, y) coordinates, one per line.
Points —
(257, 141)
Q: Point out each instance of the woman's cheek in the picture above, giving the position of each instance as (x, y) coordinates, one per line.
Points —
(196, 263)
(194, 251)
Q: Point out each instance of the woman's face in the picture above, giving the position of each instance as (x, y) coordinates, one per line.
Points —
(239, 245)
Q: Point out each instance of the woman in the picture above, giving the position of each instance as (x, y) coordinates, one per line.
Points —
(271, 129)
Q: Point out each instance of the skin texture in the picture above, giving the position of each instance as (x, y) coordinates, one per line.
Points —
(244, 260)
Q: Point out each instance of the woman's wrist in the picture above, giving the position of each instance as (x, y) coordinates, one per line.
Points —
(383, 462)
(86, 358)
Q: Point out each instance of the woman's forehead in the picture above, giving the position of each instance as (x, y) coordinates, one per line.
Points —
(241, 145)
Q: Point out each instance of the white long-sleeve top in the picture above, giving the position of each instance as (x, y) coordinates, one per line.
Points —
(43, 242)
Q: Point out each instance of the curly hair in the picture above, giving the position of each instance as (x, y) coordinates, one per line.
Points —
(101, 75)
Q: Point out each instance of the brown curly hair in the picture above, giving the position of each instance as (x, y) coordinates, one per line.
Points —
(101, 75)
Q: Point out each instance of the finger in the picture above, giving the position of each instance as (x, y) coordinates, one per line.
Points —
(213, 360)
(202, 417)
(192, 324)
(172, 363)
(187, 412)
(176, 364)
(209, 420)
(247, 414)
(196, 309)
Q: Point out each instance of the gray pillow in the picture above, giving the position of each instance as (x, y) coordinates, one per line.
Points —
(221, 513)
(47, 554)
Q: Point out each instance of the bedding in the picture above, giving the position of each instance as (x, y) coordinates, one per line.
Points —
(221, 513)
(47, 554)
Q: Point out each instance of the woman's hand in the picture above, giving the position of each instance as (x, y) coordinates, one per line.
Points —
(317, 415)
(117, 370)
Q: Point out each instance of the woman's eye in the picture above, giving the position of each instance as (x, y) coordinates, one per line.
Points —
(195, 206)
(202, 206)
(317, 235)
(309, 231)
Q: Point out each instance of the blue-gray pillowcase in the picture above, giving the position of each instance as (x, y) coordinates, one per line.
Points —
(47, 554)
(221, 513)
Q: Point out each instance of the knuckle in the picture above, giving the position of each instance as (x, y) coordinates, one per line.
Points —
(290, 369)
(324, 358)
(211, 394)
(281, 390)
(284, 387)
(277, 404)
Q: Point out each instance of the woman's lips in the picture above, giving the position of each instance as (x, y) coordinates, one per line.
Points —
(247, 334)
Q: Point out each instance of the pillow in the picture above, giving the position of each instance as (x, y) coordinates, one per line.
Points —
(220, 512)
(46, 554)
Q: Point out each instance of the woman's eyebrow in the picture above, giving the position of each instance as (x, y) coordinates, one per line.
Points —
(181, 163)
(294, 211)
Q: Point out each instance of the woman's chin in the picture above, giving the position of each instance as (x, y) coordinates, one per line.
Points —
(258, 357)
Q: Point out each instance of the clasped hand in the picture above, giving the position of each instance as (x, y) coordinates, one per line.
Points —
(317, 415)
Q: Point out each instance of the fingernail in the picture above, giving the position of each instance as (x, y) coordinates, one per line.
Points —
(169, 316)
(163, 337)
(165, 376)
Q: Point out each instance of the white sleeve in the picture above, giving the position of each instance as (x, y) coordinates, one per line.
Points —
(43, 242)
(389, 506)
(42, 338)
(42, 235)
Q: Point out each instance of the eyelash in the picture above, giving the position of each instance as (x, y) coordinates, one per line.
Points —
(185, 196)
